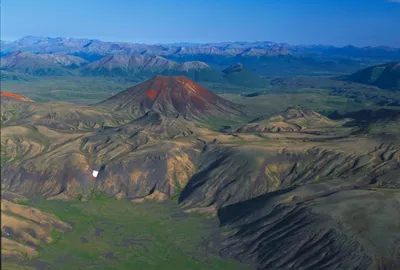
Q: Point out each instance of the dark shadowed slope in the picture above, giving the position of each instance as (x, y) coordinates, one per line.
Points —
(239, 75)
(312, 209)
(386, 76)
(173, 97)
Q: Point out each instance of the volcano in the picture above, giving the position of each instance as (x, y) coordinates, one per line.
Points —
(172, 96)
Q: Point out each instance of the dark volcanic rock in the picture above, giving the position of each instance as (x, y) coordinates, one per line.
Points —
(327, 232)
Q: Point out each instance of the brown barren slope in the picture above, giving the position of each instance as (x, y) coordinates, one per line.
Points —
(24, 229)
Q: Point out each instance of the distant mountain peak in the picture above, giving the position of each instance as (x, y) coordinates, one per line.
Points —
(139, 62)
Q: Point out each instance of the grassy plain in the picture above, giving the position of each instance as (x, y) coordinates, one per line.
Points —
(318, 93)
(80, 90)
(116, 234)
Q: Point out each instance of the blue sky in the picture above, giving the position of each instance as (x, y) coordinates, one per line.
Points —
(335, 22)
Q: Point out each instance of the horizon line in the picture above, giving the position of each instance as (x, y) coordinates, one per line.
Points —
(198, 43)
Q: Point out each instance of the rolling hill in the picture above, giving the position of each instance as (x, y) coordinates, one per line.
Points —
(385, 76)
(20, 110)
(293, 119)
(25, 228)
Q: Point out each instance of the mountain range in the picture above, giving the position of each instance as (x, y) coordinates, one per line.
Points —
(19, 65)
(72, 45)
(265, 58)
(260, 48)
(137, 66)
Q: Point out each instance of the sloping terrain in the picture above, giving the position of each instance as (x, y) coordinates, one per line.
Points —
(20, 110)
(172, 97)
(306, 206)
(293, 229)
(386, 76)
(287, 199)
(61, 141)
(24, 229)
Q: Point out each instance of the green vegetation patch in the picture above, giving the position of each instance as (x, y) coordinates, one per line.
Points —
(116, 234)
(80, 90)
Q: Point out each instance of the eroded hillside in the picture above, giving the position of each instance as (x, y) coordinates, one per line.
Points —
(24, 229)
(295, 190)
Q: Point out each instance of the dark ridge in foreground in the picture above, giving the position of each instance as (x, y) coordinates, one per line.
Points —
(386, 76)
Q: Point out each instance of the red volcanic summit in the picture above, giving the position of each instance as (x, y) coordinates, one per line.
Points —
(171, 96)
(14, 96)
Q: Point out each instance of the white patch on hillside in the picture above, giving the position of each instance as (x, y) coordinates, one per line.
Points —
(95, 173)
